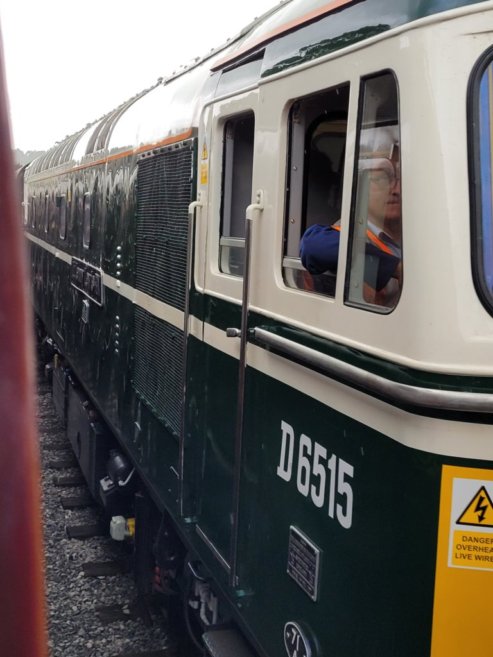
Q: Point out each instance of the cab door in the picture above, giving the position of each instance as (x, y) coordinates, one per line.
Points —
(226, 163)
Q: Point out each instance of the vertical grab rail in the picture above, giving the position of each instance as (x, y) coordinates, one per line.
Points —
(250, 212)
(195, 205)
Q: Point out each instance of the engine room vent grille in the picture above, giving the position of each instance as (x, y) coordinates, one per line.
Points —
(158, 367)
(164, 192)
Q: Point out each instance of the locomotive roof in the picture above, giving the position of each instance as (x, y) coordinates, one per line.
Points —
(293, 32)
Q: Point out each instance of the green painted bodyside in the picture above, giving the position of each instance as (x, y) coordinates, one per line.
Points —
(377, 577)
(223, 314)
(385, 368)
(107, 376)
(211, 417)
(376, 583)
(101, 351)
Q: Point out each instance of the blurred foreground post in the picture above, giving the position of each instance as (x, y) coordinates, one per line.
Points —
(22, 617)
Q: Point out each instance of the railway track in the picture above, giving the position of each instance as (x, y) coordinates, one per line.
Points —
(93, 606)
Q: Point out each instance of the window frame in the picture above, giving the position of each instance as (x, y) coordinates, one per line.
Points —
(297, 184)
(46, 215)
(475, 175)
(61, 202)
(86, 220)
(33, 210)
(367, 306)
(230, 241)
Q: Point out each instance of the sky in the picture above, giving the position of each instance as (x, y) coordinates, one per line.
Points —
(68, 63)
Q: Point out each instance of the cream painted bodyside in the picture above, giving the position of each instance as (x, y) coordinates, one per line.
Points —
(207, 273)
(58, 253)
(432, 61)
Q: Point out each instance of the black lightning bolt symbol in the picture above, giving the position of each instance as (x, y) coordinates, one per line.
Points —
(481, 508)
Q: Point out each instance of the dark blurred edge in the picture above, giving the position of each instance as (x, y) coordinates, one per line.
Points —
(22, 611)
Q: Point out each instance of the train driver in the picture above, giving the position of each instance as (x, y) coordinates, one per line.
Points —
(379, 175)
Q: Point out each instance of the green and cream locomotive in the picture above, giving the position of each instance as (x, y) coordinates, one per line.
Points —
(269, 283)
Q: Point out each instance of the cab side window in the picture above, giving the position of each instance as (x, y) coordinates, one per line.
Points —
(238, 138)
(317, 146)
(375, 251)
(46, 212)
(61, 204)
(480, 119)
(86, 221)
(32, 208)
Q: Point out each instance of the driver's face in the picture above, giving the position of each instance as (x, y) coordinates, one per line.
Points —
(384, 202)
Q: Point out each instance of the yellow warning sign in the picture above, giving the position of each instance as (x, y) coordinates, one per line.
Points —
(462, 599)
(479, 511)
(204, 173)
(204, 166)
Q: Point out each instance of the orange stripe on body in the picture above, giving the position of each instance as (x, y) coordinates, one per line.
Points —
(286, 27)
(111, 158)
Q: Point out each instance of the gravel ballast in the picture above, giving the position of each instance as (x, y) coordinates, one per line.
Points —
(75, 628)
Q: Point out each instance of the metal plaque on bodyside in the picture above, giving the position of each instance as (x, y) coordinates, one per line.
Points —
(303, 562)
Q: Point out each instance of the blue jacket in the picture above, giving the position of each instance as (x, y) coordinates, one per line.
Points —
(319, 251)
